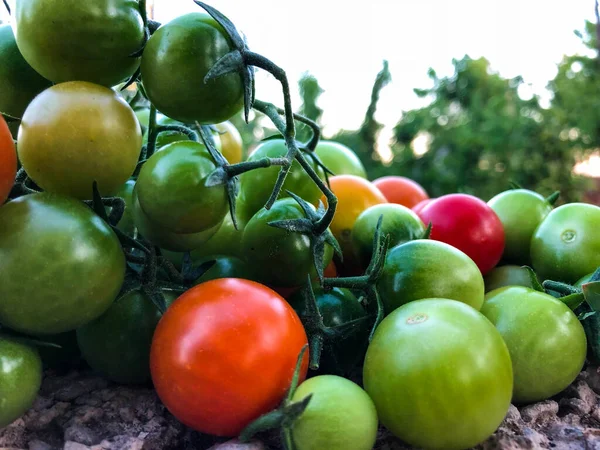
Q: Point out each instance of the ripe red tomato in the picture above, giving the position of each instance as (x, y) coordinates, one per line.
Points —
(8, 161)
(224, 353)
(401, 190)
(422, 204)
(468, 224)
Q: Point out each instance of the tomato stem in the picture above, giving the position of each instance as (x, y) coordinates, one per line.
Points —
(552, 198)
(6, 6)
(152, 133)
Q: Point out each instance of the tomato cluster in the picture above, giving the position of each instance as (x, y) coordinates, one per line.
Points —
(141, 236)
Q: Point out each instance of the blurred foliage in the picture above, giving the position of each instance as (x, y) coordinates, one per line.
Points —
(479, 131)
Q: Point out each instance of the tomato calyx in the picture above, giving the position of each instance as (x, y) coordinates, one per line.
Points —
(552, 198)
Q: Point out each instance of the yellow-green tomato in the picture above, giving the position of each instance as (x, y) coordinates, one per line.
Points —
(439, 374)
(340, 416)
(547, 343)
(75, 133)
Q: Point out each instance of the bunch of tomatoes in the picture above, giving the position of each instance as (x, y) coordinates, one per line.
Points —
(280, 289)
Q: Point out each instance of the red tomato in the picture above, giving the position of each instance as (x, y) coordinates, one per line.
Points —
(224, 353)
(8, 161)
(468, 224)
(401, 190)
(422, 204)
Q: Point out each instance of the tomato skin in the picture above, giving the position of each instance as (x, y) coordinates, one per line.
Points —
(468, 224)
(20, 379)
(231, 142)
(62, 266)
(422, 204)
(225, 267)
(75, 133)
(566, 245)
(340, 159)
(401, 190)
(520, 211)
(429, 269)
(444, 353)
(19, 83)
(256, 186)
(172, 191)
(126, 330)
(508, 275)
(399, 222)
(268, 249)
(54, 40)
(177, 58)
(339, 416)
(211, 348)
(547, 343)
(8, 161)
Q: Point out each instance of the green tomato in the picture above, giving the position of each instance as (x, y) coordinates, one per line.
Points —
(117, 344)
(19, 83)
(508, 275)
(429, 269)
(225, 267)
(172, 191)
(340, 159)
(399, 222)
(520, 211)
(143, 116)
(547, 343)
(164, 238)
(20, 379)
(256, 186)
(337, 307)
(68, 40)
(439, 374)
(583, 280)
(177, 58)
(62, 266)
(339, 416)
(280, 258)
(566, 245)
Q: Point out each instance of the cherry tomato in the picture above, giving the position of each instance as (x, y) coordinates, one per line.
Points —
(177, 58)
(340, 159)
(566, 245)
(439, 352)
(231, 142)
(422, 204)
(75, 133)
(426, 269)
(520, 211)
(508, 275)
(8, 161)
(401, 190)
(56, 39)
(339, 416)
(225, 267)
(547, 343)
(224, 353)
(468, 224)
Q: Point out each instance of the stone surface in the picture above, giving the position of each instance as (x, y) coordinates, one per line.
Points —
(81, 411)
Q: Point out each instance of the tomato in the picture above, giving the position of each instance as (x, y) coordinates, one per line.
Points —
(163, 238)
(20, 379)
(508, 275)
(231, 142)
(224, 353)
(520, 211)
(269, 249)
(547, 343)
(429, 269)
(439, 374)
(468, 224)
(19, 83)
(62, 266)
(172, 191)
(75, 133)
(8, 161)
(225, 267)
(339, 416)
(56, 39)
(337, 307)
(177, 58)
(566, 245)
(399, 222)
(117, 344)
(340, 159)
(401, 190)
(422, 204)
(354, 195)
(256, 186)
(127, 224)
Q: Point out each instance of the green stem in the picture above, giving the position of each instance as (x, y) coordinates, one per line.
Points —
(7, 6)
(152, 133)
(316, 348)
(191, 134)
(240, 168)
(358, 283)
(552, 198)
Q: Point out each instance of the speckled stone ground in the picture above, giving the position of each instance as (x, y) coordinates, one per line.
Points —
(81, 411)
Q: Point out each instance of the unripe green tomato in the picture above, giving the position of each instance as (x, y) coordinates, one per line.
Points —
(508, 275)
(340, 159)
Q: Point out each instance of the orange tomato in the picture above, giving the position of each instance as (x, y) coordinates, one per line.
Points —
(401, 190)
(8, 161)
(231, 142)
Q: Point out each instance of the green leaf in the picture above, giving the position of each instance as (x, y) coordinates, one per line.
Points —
(535, 283)
(573, 301)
